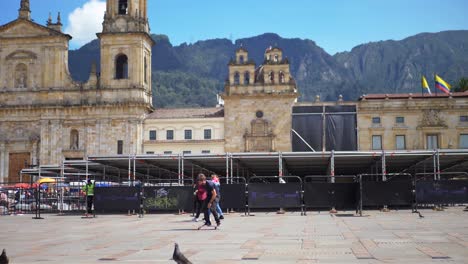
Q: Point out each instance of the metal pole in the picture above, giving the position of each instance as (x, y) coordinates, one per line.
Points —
(280, 175)
(434, 165)
(303, 140)
(324, 130)
(134, 170)
(384, 167)
(178, 168)
(62, 172)
(280, 165)
(232, 180)
(181, 179)
(129, 169)
(227, 167)
(438, 164)
(332, 166)
(87, 162)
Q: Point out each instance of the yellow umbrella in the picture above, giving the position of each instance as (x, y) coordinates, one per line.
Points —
(46, 180)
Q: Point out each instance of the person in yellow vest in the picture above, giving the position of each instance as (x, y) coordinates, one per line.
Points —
(89, 191)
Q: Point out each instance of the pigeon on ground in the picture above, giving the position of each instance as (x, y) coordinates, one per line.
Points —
(178, 257)
(4, 258)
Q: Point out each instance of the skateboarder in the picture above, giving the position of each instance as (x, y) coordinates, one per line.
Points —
(210, 203)
(200, 197)
(215, 180)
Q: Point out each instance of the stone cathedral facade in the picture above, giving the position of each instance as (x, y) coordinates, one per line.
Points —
(46, 116)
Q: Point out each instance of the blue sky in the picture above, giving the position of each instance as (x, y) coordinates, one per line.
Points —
(336, 25)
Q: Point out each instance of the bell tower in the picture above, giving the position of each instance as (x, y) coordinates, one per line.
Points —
(126, 50)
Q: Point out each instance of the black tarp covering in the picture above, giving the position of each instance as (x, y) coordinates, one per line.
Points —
(274, 195)
(168, 198)
(435, 192)
(339, 195)
(233, 196)
(387, 193)
(310, 128)
(340, 124)
(116, 199)
(340, 132)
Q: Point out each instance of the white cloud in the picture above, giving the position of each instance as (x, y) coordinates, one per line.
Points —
(84, 22)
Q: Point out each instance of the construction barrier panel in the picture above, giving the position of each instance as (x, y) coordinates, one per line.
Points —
(398, 193)
(327, 195)
(233, 196)
(168, 198)
(116, 199)
(442, 192)
(275, 195)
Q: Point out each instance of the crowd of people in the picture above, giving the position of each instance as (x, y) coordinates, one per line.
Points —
(207, 197)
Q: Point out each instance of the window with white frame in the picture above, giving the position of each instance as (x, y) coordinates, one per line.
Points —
(170, 134)
(207, 134)
(188, 134)
(432, 141)
(400, 142)
(464, 141)
(152, 135)
(377, 142)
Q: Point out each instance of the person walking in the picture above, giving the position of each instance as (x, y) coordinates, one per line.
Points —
(200, 197)
(210, 201)
(215, 180)
(88, 189)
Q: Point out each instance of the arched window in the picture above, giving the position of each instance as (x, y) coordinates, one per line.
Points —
(241, 59)
(121, 67)
(271, 76)
(281, 77)
(236, 78)
(21, 76)
(74, 139)
(246, 78)
(123, 7)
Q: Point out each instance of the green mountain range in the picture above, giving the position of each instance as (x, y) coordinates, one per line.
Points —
(192, 74)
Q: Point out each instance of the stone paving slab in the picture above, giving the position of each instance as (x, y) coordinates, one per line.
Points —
(378, 237)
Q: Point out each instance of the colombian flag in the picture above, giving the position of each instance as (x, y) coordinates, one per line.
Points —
(425, 85)
(442, 85)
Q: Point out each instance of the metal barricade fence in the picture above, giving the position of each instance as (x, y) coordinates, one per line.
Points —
(391, 190)
(275, 192)
(16, 198)
(441, 188)
(234, 193)
(340, 192)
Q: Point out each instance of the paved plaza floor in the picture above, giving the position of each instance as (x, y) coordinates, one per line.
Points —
(377, 237)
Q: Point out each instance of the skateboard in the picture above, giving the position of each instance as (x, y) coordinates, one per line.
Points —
(88, 217)
(214, 227)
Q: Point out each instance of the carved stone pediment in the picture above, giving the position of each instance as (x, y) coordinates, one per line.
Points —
(432, 118)
(22, 28)
(260, 138)
(21, 55)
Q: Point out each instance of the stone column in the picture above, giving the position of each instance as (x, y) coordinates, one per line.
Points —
(34, 153)
(2, 162)
(55, 142)
(45, 143)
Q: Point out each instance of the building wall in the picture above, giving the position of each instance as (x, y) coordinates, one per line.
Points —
(258, 114)
(438, 116)
(178, 145)
(240, 112)
(40, 104)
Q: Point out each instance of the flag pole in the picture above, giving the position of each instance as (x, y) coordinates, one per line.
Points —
(435, 85)
(422, 88)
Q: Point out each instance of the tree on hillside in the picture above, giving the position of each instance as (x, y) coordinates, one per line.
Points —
(462, 85)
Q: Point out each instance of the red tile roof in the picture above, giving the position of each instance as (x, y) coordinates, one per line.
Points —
(187, 113)
(409, 95)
